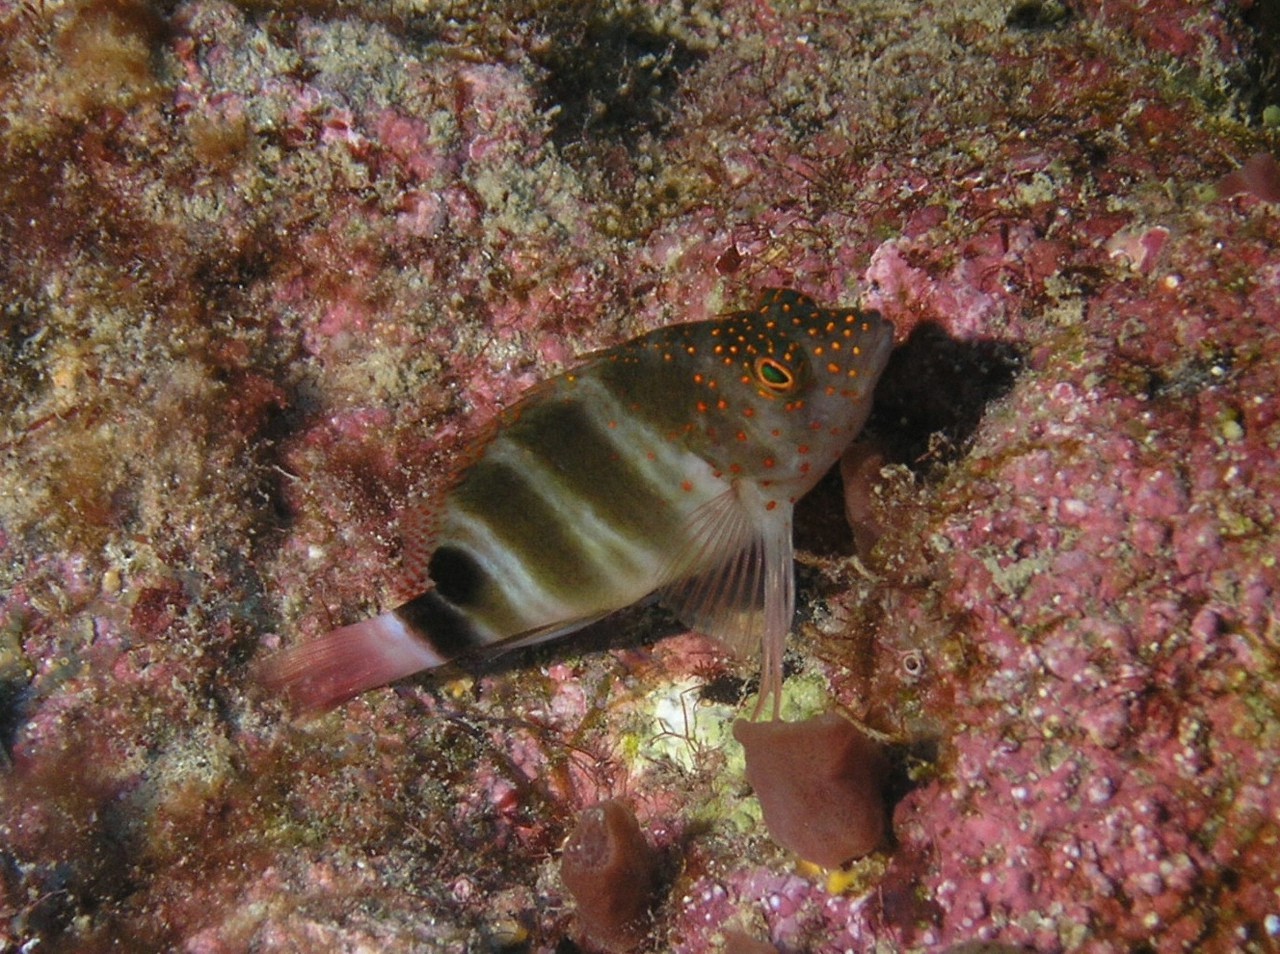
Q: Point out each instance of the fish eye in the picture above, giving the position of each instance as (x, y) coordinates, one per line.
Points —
(774, 376)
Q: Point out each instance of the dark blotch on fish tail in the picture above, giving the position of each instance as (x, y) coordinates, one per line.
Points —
(445, 628)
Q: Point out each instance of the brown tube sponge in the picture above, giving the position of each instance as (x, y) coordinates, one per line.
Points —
(820, 783)
(611, 872)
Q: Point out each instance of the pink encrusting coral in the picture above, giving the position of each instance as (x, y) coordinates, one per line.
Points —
(267, 272)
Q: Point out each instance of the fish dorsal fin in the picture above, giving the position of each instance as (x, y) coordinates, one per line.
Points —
(734, 580)
(785, 296)
(417, 541)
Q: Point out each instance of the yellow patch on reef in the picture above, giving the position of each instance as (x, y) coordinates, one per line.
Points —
(809, 870)
(685, 726)
(805, 696)
(460, 688)
(841, 880)
(854, 879)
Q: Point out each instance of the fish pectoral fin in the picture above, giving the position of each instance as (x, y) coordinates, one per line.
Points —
(734, 580)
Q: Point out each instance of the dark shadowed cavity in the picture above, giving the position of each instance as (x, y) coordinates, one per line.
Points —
(610, 75)
(1263, 19)
(934, 392)
(1037, 15)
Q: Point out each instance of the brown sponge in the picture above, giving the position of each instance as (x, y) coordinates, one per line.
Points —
(611, 872)
(820, 783)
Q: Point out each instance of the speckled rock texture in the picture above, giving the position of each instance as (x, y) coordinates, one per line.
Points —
(265, 269)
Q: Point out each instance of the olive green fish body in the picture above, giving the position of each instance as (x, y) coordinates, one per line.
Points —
(669, 464)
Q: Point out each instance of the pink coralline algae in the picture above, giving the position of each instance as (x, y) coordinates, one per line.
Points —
(267, 272)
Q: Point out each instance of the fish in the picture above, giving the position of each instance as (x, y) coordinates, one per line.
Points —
(668, 466)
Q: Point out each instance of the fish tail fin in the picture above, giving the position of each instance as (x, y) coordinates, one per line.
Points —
(344, 662)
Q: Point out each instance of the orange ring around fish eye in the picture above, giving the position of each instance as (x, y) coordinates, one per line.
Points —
(774, 376)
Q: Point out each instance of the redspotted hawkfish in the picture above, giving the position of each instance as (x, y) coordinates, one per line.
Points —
(667, 466)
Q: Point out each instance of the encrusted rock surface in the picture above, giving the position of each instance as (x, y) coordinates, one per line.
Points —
(267, 268)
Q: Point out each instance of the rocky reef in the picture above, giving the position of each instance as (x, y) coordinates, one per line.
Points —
(268, 268)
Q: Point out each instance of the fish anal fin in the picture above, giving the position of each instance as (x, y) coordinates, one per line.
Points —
(542, 634)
